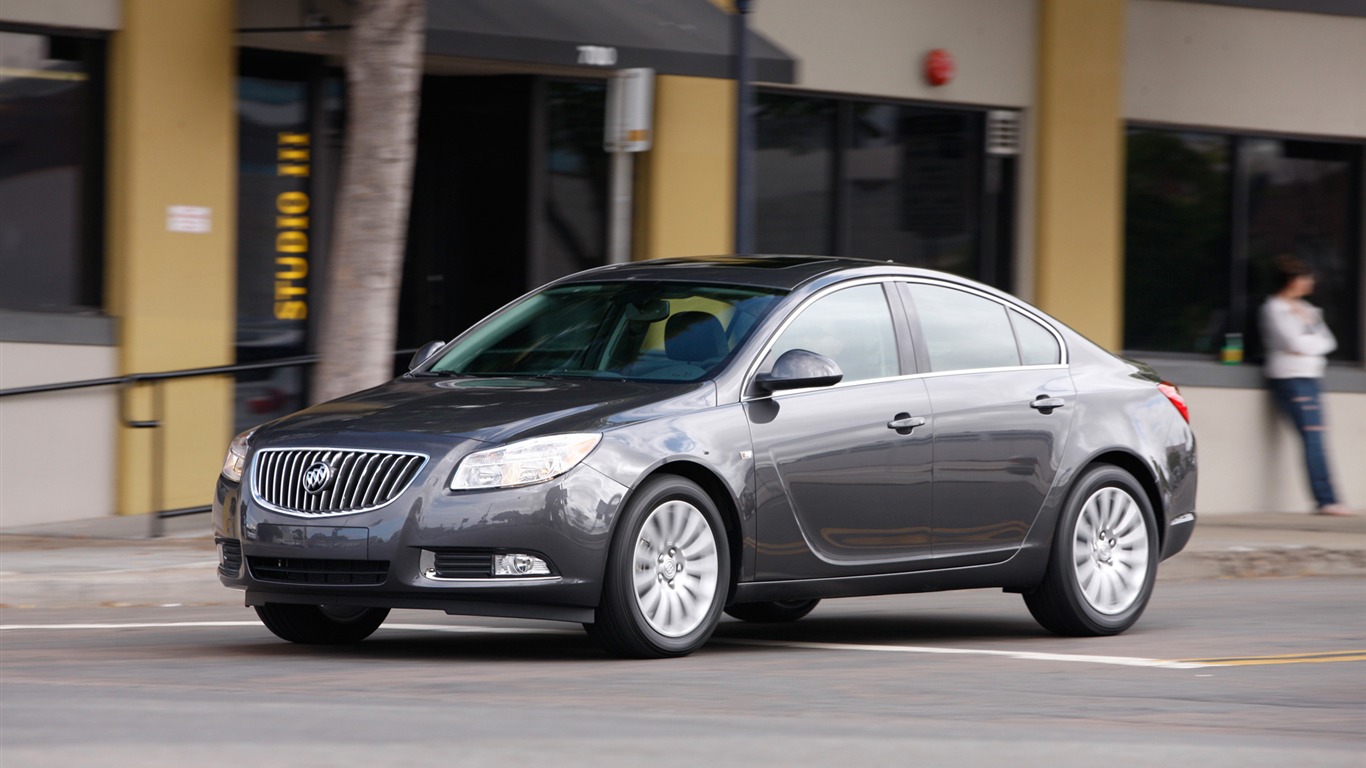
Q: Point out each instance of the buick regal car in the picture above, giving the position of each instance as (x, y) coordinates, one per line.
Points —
(639, 448)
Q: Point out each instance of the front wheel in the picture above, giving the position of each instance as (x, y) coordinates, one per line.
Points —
(1104, 559)
(667, 573)
(321, 624)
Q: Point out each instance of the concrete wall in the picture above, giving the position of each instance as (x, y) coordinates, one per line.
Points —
(877, 47)
(57, 449)
(1250, 455)
(1245, 69)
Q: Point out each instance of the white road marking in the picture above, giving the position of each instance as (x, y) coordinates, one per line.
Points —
(1123, 661)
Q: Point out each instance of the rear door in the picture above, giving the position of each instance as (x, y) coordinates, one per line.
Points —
(1002, 402)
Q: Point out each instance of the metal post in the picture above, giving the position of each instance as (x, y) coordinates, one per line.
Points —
(744, 133)
(619, 217)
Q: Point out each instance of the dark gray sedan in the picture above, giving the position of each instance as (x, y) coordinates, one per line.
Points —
(641, 447)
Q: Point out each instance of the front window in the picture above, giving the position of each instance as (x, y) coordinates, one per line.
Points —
(646, 331)
(853, 327)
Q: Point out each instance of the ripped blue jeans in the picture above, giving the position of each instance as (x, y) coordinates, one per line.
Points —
(1300, 400)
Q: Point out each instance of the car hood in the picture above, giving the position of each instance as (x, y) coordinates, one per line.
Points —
(491, 410)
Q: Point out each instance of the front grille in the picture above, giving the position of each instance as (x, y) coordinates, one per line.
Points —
(299, 570)
(229, 557)
(344, 482)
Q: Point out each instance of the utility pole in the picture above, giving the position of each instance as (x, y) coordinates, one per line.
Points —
(744, 133)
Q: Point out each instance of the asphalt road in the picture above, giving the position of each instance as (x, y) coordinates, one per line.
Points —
(1246, 672)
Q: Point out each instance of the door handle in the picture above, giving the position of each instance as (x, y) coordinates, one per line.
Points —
(1045, 404)
(905, 422)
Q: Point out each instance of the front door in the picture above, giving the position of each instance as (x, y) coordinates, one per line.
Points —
(841, 490)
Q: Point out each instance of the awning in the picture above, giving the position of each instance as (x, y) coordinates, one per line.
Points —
(672, 37)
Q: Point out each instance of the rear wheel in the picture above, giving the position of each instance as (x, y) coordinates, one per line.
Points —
(1104, 559)
(774, 611)
(321, 624)
(667, 573)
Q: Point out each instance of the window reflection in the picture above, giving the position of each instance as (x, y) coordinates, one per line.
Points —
(794, 165)
(853, 327)
(1176, 240)
(914, 184)
(50, 171)
(963, 331)
(576, 181)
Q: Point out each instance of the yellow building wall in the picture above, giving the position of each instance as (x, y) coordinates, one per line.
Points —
(1080, 152)
(172, 142)
(688, 178)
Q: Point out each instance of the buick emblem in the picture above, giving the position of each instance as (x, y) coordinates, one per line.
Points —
(318, 477)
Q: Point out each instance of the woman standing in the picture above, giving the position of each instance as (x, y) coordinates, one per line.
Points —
(1297, 342)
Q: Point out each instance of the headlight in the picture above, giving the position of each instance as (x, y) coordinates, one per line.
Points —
(236, 460)
(523, 463)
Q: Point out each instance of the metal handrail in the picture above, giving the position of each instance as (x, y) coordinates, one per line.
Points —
(133, 378)
(128, 382)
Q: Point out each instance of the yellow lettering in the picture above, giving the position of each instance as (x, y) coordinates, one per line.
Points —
(293, 155)
(291, 310)
(296, 267)
(292, 203)
(290, 241)
(293, 138)
(291, 170)
(284, 290)
(291, 222)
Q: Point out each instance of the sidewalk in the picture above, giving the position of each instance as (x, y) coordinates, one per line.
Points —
(111, 562)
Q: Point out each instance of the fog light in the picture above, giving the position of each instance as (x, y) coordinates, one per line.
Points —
(517, 564)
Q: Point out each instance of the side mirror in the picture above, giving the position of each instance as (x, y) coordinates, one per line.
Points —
(799, 368)
(423, 353)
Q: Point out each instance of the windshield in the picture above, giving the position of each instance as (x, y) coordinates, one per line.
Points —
(653, 331)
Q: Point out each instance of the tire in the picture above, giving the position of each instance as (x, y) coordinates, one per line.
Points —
(321, 624)
(667, 575)
(774, 611)
(1104, 560)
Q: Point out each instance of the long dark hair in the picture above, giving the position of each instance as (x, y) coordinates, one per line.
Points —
(1287, 268)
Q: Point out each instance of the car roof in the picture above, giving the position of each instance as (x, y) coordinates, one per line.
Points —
(768, 271)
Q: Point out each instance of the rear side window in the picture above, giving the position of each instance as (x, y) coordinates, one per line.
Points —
(1038, 345)
(964, 331)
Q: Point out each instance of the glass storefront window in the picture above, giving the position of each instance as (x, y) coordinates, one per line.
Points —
(1205, 216)
(795, 168)
(277, 243)
(51, 160)
(576, 202)
(915, 177)
(882, 180)
(1176, 241)
(1303, 200)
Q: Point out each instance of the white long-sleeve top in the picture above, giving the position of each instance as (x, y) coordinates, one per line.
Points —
(1296, 339)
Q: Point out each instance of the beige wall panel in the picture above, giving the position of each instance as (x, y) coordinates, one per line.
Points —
(1244, 68)
(1250, 456)
(173, 142)
(1078, 180)
(877, 47)
(56, 449)
(689, 176)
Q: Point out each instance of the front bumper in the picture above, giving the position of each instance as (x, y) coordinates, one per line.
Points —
(425, 549)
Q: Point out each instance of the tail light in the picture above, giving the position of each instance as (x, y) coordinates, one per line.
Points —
(1174, 395)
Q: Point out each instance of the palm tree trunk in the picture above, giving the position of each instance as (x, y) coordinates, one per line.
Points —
(365, 269)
